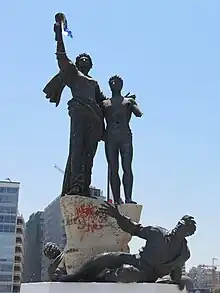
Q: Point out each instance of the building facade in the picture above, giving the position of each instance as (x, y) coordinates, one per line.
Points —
(205, 277)
(19, 254)
(53, 231)
(9, 193)
(96, 192)
(33, 248)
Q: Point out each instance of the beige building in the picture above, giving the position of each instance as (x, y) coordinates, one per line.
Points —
(205, 277)
(19, 254)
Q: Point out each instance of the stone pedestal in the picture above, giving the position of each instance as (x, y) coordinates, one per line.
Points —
(98, 288)
(89, 233)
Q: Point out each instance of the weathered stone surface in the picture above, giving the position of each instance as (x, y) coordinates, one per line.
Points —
(89, 233)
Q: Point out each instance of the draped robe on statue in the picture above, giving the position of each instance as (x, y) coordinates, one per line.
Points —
(86, 125)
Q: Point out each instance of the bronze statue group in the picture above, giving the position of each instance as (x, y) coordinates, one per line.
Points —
(95, 118)
(89, 111)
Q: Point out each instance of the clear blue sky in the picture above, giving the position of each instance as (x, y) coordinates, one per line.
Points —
(168, 54)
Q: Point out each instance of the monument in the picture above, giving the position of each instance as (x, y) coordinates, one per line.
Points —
(98, 233)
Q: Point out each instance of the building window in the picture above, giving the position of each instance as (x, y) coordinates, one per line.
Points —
(7, 219)
(4, 267)
(5, 278)
(8, 190)
(8, 199)
(8, 210)
(12, 228)
(5, 288)
(7, 228)
(12, 190)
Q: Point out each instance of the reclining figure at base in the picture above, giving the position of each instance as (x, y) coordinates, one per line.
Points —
(124, 274)
(164, 254)
(57, 267)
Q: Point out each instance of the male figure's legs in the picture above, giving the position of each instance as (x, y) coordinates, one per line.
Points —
(126, 152)
(112, 155)
(93, 268)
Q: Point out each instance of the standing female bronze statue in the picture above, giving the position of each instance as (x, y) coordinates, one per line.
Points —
(86, 119)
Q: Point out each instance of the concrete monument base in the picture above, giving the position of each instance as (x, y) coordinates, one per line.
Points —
(98, 288)
(90, 233)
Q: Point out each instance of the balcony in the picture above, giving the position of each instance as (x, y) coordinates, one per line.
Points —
(20, 230)
(20, 246)
(18, 259)
(16, 288)
(17, 282)
(18, 268)
(17, 279)
(20, 221)
(17, 274)
(19, 249)
(20, 238)
(19, 255)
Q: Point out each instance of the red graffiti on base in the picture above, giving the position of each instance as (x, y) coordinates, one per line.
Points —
(88, 219)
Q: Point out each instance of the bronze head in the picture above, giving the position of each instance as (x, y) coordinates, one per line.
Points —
(115, 83)
(84, 63)
(51, 250)
(185, 227)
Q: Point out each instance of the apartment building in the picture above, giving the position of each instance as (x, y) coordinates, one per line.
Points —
(33, 248)
(19, 254)
(9, 193)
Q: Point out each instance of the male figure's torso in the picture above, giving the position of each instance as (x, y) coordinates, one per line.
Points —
(161, 252)
(117, 113)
